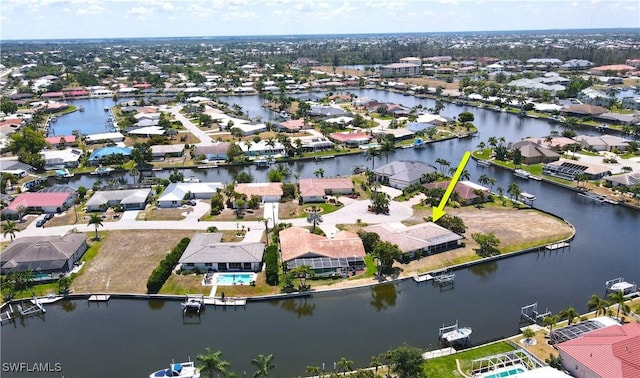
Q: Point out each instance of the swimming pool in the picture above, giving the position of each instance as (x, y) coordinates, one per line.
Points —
(506, 371)
(230, 279)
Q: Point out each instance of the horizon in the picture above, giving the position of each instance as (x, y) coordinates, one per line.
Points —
(170, 19)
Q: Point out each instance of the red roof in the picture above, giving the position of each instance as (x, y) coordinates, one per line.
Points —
(56, 139)
(612, 351)
(614, 67)
(464, 191)
(53, 94)
(29, 199)
(343, 137)
(78, 92)
(11, 122)
(292, 124)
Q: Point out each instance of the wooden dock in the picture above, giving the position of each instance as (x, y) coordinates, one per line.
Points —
(99, 298)
(233, 302)
(7, 315)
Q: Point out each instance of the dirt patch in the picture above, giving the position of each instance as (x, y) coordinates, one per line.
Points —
(164, 214)
(126, 259)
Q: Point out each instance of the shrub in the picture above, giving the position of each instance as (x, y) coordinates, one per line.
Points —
(162, 272)
(271, 265)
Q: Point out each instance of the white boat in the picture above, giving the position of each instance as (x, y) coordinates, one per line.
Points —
(521, 174)
(179, 370)
(484, 163)
(191, 179)
(526, 197)
(193, 303)
(63, 173)
(102, 171)
(419, 143)
(456, 334)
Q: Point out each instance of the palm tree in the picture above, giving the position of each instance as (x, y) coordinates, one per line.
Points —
(319, 172)
(571, 314)
(96, 221)
(264, 364)
(345, 365)
(133, 172)
(550, 321)
(387, 148)
(443, 163)
(483, 179)
(528, 334)
(375, 363)
(598, 304)
(372, 154)
(618, 298)
(212, 362)
(314, 217)
(10, 228)
(514, 191)
(313, 370)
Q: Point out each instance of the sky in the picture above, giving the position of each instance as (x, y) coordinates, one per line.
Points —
(70, 19)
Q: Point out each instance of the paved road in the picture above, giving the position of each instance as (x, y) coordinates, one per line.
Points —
(205, 139)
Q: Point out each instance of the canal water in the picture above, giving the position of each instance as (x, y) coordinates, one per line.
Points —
(136, 337)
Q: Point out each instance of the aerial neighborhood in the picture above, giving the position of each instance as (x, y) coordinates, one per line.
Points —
(142, 167)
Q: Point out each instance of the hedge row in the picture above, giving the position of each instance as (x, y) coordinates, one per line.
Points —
(271, 265)
(163, 271)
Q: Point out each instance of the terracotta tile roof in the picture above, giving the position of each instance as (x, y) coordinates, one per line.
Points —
(343, 137)
(312, 187)
(464, 189)
(260, 189)
(298, 242)
(612, 351)
(56, 139)
(292, 124)
(28, 199)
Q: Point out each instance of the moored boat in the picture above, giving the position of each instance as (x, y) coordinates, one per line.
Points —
(520, 173)
(102, 171)
(178, 370)
(63, 173)
(191, 179)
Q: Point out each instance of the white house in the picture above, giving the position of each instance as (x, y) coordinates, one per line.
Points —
(129, 199)
(56, 159)
(176, 192)
(206, 252)
(262, 148)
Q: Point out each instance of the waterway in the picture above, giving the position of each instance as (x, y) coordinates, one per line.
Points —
(138, 337)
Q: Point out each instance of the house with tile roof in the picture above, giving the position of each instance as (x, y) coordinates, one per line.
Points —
(602, 142)
(533, 153)
(291, 125)
(266, 191)
(419, 239)
(626, 179)
(316, 189)
(337, 256)
(612, 351)
(43, 254)
(350, 139)
(467, 191)
(48, 203)
(206, 252)
(400, 174)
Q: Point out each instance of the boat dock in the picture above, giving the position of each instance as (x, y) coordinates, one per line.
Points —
(438, 353)
(531, 314)
(443, 278)
(233, 302)
(597, 198)
(556, 246)
(35, 308)
(193, 303)
(99, 298)
(7, 316)
(484, 163)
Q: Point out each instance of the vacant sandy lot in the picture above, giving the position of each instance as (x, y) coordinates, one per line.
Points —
(126, 259)
(516, 229)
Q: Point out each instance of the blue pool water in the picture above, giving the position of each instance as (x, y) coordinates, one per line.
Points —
(229, 279)
(505, 373)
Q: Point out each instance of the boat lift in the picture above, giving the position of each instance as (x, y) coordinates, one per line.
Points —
(443, 278)
(619, 284)
(7, 316)
(530, 313)
(35, 308)
(453, 334)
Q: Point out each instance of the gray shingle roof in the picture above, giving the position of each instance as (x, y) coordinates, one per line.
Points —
(41, 253)
(208, 248)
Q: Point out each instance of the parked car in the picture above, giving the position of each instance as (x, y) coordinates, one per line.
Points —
(48, 217)
(191, 202)
(41, 222)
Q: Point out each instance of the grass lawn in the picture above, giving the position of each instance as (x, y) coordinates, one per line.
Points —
(173, 214)
(446, 366)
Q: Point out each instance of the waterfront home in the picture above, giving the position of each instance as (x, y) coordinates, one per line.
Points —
(250, 128)
(206, 252)
(625, 180)
(48, 203)
(162, 151)
(327, 111)
(146, 131)
(97, 155)
(176, 192)
(583, 110)
(216, 151)
(129, 199)
(602, 142)
(400, 174)
(56, 159)
(113, 137)
(568, 169)
(556, 143)
(611, 351)
(313, 143)
(291, 125)
(533, 153)
(350, 139)
(420, 239)
(337, 256)
(266, 191)
(44, 254)
(468, 192)
(262, 148)
(62, 140)
(316, 189)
